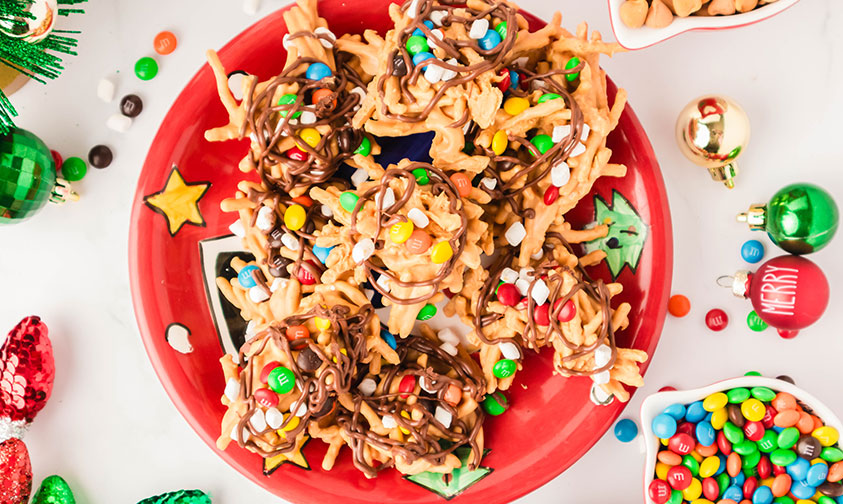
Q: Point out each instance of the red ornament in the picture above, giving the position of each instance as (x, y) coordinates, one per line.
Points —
(28, 369)
(788, 292)
(15, 472)
(786, 334)
(716, 319)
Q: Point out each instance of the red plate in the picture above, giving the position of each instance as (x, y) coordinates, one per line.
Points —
(552, 422)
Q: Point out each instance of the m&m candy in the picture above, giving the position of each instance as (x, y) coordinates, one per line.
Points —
(752, 251)
(165, 43)
(678, 305)
(716, 319)
(626, 430)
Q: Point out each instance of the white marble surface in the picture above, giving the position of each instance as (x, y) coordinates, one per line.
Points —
(110, 429)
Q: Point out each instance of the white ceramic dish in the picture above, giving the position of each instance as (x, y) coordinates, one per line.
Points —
(656, 403)
(639, 38)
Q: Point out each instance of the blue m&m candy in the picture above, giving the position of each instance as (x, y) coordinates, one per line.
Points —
(418, 31)
(321, 253)
(664, 426)
(734, 493)
(802, 490)
(490, 40)
(816, 475)
(318, 71)
(626, 430)
(752, 251)
(389, 338)
(514, 79)
(695, 412)
(706, 435)
(798, 470)
(762, 495)
(422, 56)
(245, 277)
(675, 410)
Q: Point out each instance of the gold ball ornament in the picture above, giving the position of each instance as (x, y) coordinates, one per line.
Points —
(713, 131)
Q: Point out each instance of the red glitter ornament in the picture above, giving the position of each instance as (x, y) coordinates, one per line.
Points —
(15, 472)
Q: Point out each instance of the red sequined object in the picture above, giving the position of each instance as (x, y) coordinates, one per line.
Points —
(27, 370)
(15, 472)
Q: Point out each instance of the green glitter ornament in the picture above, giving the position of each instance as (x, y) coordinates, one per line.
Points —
(799, 218)
(54, 490)
(27, 177)
(179, 497)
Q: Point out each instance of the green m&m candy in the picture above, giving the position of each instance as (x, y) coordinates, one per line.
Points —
(737, 395)
(723, 481)
(572, 63)
(495, 404)
(783, 500)
(783, 458)
(752, 373)
(416, 44)
(501, 29)
(750, 471)
(421, 176)
(675, 497)
(348, 200)
(288, 99)
(146, 68)
(751, 461)
(769, 442)
(542, 142)
(832, 454)
(365, 147)
(548, 96)
(427, 312)
(755, 323)
(788, 437)
(825, 499)
(744, 447)
(504, 368)
(763, 394)
(74, 169)
(281, 380)
(692, 465)
(733, 433)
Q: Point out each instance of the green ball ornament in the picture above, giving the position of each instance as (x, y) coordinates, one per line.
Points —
(799, 218)
(54, 490)
(179, 497)
(27, 175)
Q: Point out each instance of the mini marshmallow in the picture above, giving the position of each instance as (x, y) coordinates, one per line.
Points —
(433, 73)
(235, 433)
(578, 149)
(232, 389)
(413, 9)
(250, 328)
(258, 295)
(278, 282)
(389, 422)
(119, 123)
(106, 89)
(526, 273)
(601, 378)
(360, 92)
(560, 174)
(448, 335)
(449, 348)
(585, 131)
(285, 41)
(515, 234)
(602, 356)
(327, 44)
(489, 183)
(540, 292)
(509, 275)
(274, 418)
(427, 387)
(442, 416)
(327, 212)
(509, 350)
(235, 84)
(307, 117)
(560, 132)
(258, 420)
(388, 198)
(538, 255)
(265, 219)
(383, 282)
(367, 386)
(435, 34)
(237, 229)
(290, 241)
(437, 16)
(362, 250)
(359, 176)
(523, 285)
(478, 28)
(419, 218)
(302, 409)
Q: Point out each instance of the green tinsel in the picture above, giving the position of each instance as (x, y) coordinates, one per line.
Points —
(35, 60)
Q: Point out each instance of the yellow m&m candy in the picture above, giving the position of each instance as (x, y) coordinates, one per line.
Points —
(826, 435)
(310, 136)
(407, 416)
(715, 401)
(294, 217)
(694, 490)
(322, 324)
(499, 142)
(719, 418)
(441, 252)
(401, 232)
(753, 410)
(515, 105)
(709, 466)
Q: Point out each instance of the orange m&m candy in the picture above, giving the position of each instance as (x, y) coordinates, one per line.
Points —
(321, 94)
(165, 43)
(463, 184)
(678, 305)
(419, 242)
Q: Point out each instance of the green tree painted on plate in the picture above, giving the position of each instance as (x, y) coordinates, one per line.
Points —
(458, 481)
(627, 233)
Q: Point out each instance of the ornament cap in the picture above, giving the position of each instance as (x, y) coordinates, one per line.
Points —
(725, 174)
(63, 192)
(755, 217)
(738, 283)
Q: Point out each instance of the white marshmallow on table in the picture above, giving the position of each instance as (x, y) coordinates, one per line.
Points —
(437, 16)
(602, 356)
(265, 219)
(433, 73)
(383, 282)
(258, 295)
(418, 217)
(237, 228)
(362, 250)
(509, 350)
(327, 44)
(489, 183)
(106, 89)
(515, 234)
(442, 416)
(258, 420)
(509, 275)
(327, 212)
(290, 241)
(119, 123)
(274, 418)
(560, 132)
(601, 378)
(478, 28)
(448, 335)
(367, 386)
(523, 286)
(388, 198)
(307, 117)
(389, 422)
(359, 176)
(449, 348)
(540, 292)
(232, 389)
(560, 174)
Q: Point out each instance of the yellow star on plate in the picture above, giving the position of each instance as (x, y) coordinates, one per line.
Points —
(295, 457)
(178, 202)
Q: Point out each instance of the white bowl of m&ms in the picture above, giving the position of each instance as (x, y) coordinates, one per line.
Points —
(746, 440)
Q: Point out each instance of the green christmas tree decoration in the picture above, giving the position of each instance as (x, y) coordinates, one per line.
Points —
(28, 44)
(627, 235)
(54, 490)
(449, 486)
(179, 497)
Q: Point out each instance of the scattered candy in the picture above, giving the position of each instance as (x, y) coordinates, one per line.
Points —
(119, 123)
(310, 136)
(542, 142)
(678, 305)
(427, 312)
(462, 183)
(281, 380)
(295, 217)
(752, 251)
(755, 323)
(626, 430)
(490, 40)
(515, 105)
(146, 68)
(716, 319)
(165, 43)
(365, 147)
(73, 169)
(100, 156)
(288, 99)
(504, 368)
(572, 63)
(106, 89)
(246, 277)
(318, 71)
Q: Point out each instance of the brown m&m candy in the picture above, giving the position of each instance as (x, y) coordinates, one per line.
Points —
(100, 156)
(830, 489)
(735, 415)
(308, 361)
(399, 66)
(278, 266)
(808, 447)
(131, 105)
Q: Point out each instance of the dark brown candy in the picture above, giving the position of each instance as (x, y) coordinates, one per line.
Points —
(785, 378)
(735, 415)
(131, 105)
(399, 66)
(327, 408)
(808, 447)
(428, 404)
(274, 238)
(100, 156)
(309, 227)
(349, 139)
(308, 360)
(831, 489)
(278, 266)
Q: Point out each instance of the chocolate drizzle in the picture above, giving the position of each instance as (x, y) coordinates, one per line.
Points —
(386, 217)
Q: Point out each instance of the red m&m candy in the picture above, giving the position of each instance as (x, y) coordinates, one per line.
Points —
(408, 383)
(505, 81)
(681, 443)
(679, 477)
(754, 431)
(266, 397)
(508, 295)
(569, 310)
(541, 314)
(716, 319)
(297, 154)
(304, 275)
(268, 369)
(710, 488)
(659, 491)
(551, 195)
